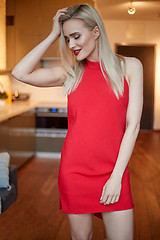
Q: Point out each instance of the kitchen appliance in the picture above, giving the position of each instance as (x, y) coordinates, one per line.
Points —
(51, 130)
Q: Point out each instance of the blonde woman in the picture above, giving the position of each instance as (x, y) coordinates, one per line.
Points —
(104, 93)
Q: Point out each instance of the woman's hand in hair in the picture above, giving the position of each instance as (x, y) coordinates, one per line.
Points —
(111, 190)
(56, 30)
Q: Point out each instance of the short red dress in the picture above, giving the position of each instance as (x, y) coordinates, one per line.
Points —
(96, 125)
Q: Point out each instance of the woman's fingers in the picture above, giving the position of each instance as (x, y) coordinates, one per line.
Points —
(111, 191)
(117, 199)
(61, 12)
(63, 9)
(113, 200)
(56, 19)
(102, 196)
(108, 199)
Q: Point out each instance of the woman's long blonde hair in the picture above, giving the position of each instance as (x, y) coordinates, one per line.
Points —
(109, 62)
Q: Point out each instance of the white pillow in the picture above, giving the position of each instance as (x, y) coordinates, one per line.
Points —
(4, 170)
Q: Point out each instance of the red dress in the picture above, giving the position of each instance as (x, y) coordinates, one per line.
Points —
(96, 125)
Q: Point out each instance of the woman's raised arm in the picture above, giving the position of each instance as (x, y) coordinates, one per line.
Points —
(44, 77)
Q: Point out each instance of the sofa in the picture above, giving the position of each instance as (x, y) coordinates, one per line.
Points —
(9, 196)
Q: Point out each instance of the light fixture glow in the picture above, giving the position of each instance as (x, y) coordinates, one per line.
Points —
(131, 9)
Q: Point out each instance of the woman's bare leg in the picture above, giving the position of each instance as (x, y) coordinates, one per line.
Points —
(119, 225)
(81, 226)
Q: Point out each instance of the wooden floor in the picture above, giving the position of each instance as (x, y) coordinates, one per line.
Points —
(36, 215)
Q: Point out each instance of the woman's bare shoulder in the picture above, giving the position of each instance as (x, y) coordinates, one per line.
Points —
(133, 64)
(133, 67)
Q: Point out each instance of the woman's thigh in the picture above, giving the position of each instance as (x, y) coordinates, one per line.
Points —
(81, 226)
(119, 225)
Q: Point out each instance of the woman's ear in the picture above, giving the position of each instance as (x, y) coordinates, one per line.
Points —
(96, 32)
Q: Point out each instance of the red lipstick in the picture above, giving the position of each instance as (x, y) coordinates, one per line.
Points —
(76, 52)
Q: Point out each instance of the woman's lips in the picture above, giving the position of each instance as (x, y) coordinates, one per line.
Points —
(76, 52)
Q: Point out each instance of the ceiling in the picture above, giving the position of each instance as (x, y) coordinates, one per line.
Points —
(117, 9)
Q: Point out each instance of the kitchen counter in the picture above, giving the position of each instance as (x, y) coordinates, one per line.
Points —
(52, 104)
(19, 107)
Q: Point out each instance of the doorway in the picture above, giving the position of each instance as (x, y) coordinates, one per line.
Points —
(146, 54)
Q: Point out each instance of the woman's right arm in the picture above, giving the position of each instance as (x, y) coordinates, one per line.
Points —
(42, 77)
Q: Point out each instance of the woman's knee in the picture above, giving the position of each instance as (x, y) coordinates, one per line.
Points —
(81, 226)
(81, 235)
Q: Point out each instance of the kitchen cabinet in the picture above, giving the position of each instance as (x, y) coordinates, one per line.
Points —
(17, 137)
(22, 137)
(4, 133)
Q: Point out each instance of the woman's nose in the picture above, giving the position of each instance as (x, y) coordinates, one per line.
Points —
(71, 43)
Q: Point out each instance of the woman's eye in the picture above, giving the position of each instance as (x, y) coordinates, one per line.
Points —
(67, 40)
(77, 37)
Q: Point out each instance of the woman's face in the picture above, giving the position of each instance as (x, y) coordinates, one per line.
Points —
(82, 41)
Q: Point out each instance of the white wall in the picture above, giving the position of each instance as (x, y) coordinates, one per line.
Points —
(139, 32)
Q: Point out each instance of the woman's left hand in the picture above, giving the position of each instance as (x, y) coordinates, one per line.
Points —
(111, 190)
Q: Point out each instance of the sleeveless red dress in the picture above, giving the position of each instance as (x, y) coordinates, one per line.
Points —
(96, 125)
